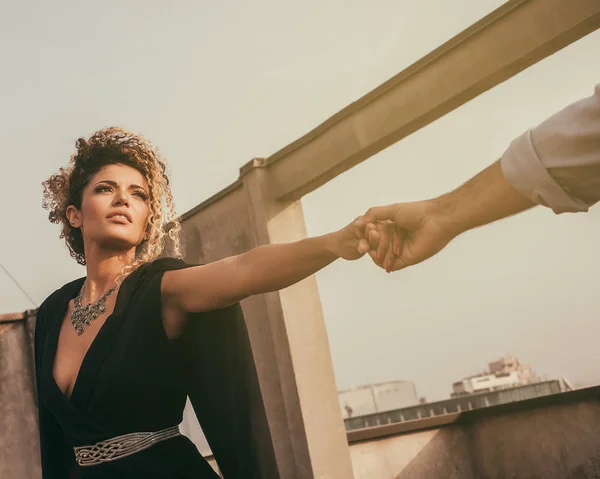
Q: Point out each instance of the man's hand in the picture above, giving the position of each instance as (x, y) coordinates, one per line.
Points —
(428, 226)
(421, 230)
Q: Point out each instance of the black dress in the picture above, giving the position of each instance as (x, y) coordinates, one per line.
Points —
(135, 379)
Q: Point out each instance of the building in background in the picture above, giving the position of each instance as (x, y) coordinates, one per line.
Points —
(375, 398)
(507, 380)
(505, 373)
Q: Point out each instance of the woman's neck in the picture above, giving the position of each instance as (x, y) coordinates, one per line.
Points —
(102, 270)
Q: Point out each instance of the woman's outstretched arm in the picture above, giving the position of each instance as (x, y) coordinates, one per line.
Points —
(263, 269)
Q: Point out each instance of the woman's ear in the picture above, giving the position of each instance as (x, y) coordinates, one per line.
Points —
(74, 216)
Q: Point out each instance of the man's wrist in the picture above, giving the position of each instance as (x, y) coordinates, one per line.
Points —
(444, 211)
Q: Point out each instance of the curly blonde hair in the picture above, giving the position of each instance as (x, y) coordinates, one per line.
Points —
(115, 146)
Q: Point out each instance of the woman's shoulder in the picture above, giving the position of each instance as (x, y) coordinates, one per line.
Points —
(148, 276)
(151, 271)
(59, 295)
(166, 264)
(57, 299)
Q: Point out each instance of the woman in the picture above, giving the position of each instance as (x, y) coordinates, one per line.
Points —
(114, 359)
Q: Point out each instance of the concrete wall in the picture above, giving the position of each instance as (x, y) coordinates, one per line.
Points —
(19, 443)
(559, 441)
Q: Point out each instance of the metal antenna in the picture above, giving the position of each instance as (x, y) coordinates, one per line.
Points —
(18, 285)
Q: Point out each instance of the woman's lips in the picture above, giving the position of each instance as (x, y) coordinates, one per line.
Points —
(120, 219)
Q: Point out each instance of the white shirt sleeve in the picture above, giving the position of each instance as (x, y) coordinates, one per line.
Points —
(557, 164)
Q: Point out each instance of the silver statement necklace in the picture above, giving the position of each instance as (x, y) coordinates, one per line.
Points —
(83, 316)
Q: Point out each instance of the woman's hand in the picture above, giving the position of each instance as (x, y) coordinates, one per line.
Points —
(352, 241)
(423, 228)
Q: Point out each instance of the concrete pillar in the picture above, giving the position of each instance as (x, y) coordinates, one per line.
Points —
(292, 355)
(287, 332)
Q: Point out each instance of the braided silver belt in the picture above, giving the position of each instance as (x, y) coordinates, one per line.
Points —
(121, 446)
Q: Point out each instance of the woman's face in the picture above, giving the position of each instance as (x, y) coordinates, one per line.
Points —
(114, 209)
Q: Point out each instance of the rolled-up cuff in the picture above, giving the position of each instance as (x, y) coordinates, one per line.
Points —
(523, 169)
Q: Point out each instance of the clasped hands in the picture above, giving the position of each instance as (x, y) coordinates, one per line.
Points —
(400, 235)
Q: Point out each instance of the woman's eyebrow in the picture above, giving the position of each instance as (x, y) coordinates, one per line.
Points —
(115, 184)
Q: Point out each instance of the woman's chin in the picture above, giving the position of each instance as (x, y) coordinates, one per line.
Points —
(118, 244)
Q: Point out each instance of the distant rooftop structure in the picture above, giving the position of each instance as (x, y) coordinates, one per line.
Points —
(374, 398)
(479, 400)
(507, 372)
(505, 381)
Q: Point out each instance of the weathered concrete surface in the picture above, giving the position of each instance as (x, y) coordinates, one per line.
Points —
(554, 442)
(19, 443)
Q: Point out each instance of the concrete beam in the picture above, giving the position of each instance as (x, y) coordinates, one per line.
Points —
(508, 40)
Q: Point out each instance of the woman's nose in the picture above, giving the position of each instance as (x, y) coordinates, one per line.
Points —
(121, 198)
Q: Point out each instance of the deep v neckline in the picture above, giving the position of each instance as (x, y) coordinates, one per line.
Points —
(56, 337)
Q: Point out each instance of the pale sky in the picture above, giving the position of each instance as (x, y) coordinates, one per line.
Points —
(214, 84)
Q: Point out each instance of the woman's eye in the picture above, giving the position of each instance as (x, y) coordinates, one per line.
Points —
(101, 188)
(141, 194)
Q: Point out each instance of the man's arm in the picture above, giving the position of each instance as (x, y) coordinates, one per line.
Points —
(557, 164)
(428, 226)
(485, 198)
